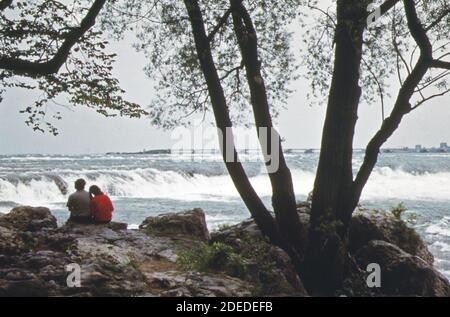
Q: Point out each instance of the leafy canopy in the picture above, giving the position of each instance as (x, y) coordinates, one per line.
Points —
(163, 32)
(389, 52)
(33, 31)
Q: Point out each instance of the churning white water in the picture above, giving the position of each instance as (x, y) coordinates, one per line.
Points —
(41, 188)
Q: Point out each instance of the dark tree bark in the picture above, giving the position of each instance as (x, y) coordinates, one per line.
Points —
(336, 194)
(283, 196)
(35, 69)
(259, 212)
(330, 205)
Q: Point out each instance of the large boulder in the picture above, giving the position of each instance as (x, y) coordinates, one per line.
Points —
(25, 218)
(403, 274)
(367, 225)
(10, 242)
(189, 223)
(268, 266)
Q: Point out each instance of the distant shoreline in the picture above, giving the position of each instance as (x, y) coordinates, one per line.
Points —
(291, 150)
(396, 150)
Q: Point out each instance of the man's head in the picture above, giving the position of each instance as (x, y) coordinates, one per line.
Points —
(80, 184)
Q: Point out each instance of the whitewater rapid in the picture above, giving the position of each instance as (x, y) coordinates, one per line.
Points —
(41, 189)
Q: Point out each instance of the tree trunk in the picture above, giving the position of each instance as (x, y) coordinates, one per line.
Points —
(331, 211)
(259, 212)
(283, 196)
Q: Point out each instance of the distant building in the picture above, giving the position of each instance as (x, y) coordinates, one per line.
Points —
(444, 147)
(418, 148)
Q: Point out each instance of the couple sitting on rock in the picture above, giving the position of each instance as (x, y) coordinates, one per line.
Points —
(93, 207)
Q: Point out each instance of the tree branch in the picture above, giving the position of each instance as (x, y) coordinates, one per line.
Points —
(324, 13)
(441, 94)
(4, 4)
(36, 69)
(402, 105)
(283, 196)
(221, 22)
(438, 20)
(388, 5)
(432, 81)
(440, 64)
(380, 87)
(235, 69)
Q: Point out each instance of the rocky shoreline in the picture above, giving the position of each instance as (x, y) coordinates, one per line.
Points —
(175, 255)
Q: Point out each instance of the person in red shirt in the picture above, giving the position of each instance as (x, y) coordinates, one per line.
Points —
(101, 205)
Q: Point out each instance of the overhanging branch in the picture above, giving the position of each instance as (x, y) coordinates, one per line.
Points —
(4, 4)
(36, 69)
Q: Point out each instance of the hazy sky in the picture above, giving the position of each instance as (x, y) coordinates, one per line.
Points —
(85, 131)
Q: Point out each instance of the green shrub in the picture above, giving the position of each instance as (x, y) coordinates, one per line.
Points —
(157, 226)
(255, 264)
(406, 236)
(224, 227)
(399, 211)
(212, 258)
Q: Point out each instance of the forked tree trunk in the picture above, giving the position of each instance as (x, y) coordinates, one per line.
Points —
(259, 212)
(283, 196)
(335, 194)
(331, 208)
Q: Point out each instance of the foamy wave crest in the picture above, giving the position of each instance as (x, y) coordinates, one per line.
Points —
(30, 192)
(440, 228)
(138, 183)
(387, 183)
(441, 246)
